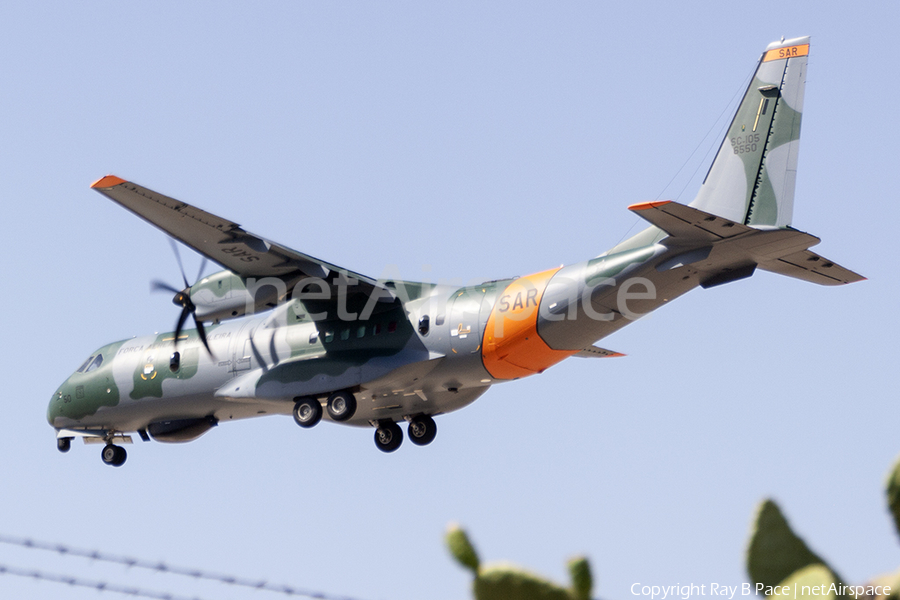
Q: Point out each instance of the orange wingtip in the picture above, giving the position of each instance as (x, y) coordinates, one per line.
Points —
(107, 182)
(646, 205)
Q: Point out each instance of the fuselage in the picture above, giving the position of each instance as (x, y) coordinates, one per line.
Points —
(434, 352)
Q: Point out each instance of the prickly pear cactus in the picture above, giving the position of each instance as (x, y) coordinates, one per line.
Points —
(811, 577)
(502, 581)
(461, 548)
(775, 551)
(892, 490)
(777, 556)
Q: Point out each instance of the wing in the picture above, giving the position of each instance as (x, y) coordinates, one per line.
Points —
(227, 243)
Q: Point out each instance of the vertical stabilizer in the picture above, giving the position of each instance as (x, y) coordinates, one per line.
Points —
(751, 180)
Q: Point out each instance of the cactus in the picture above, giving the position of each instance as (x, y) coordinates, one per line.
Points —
(582, 580)
(775, 551)
(461, 548)
(893, 494)
(777, 556)
(810, 577)
(503, 581)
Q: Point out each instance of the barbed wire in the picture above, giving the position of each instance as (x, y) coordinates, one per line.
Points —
(100, 586)
(162, 567)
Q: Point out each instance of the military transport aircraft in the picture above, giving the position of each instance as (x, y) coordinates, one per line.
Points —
(281, 332)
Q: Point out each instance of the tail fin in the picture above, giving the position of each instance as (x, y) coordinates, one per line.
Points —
(751, 180)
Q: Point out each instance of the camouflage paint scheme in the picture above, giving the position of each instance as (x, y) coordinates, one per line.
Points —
(278, 345)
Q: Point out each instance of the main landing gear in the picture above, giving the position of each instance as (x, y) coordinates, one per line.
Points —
(388, 436)
(422, 431)
(307, 412)
(113, 455)
(341, 406)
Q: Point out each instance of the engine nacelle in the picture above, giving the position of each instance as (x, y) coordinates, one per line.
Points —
(224, 295)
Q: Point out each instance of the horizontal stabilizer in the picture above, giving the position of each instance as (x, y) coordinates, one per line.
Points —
(597, 352)
(681, 221)
(809, 266)
(780, 250)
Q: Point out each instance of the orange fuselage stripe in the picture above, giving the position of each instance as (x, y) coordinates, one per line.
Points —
(511, 347)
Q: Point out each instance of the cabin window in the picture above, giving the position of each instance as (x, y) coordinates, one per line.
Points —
(360, 331)
(329, 336)
(345, 334)
(84, 366)
(95, 364)
(376, 328)
(313, 337)
(439, 320)
(424, 324)
(392, 326)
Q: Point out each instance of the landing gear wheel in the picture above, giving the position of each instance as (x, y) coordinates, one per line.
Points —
(341, 406)
(63, 444)
(388, 436)
(113, 455)
(307, 412)
(421, 430)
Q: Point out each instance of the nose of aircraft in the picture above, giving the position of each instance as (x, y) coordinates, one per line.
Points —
(60, 398)
(86, 390)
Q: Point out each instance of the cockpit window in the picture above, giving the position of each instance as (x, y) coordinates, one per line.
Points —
(84, 366)
(95, 364)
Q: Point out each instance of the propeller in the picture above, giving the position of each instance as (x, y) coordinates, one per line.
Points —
(183, 298)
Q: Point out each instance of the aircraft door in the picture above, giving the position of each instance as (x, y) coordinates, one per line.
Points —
(465, 320)
(241, 351)
(241, 360)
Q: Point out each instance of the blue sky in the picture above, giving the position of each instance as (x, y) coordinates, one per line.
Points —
(450, 141)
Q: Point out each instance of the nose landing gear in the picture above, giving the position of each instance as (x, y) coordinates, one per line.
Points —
(113, 455)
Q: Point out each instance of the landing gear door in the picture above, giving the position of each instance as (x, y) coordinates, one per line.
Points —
(465, 320)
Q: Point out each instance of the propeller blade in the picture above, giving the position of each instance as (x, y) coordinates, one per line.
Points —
(180, 264)
(202, 333)
(202, 268)
(183, 298)
(181, 319)
(161, 286)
